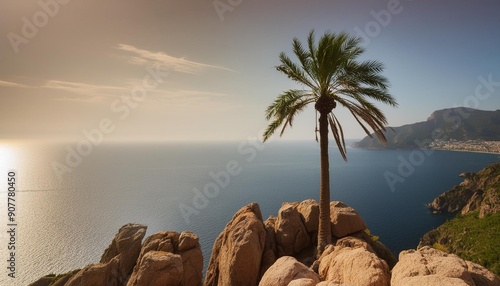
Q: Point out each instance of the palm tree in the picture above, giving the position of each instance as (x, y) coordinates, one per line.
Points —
(331, 75)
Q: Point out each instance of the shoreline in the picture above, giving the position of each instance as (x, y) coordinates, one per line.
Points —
(470, 151)
(437, 149)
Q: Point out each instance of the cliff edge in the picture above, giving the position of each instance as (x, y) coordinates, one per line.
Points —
(473, 233)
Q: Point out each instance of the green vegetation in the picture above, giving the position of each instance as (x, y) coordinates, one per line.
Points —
(473, 233)
(373, 237)
(470, 237)
(330, 74)
(441, 247)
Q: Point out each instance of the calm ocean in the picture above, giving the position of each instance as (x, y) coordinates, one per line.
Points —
(66, 223)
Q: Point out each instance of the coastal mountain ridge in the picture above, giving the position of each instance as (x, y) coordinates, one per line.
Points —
(455, 124)
(473, 233)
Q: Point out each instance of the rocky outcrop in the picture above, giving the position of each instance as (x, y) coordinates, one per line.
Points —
(481, 275)
(165, 258)
(158, 268)
(353, 261)
(428, 266)
(309, 213)
(452, 201)
(478, 192)
(237, 251)
(117, 262)
(291, 232)
(251, 252)
(270, 253)
(286, 270)
(174, 257)
(473, 235)
(345, 220)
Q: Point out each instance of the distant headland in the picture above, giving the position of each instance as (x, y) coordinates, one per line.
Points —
(459, 129)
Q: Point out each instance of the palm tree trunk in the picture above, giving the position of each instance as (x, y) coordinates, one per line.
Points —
(324, 231)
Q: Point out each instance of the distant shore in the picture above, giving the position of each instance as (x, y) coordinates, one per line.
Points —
(477, 146)
(473, 146)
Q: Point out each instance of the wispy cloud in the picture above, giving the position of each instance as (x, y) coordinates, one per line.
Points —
(193, 100)
(83, 88)
(145, 57)
(191, 94)
(11, 84)
(92, 93)
(85, 92)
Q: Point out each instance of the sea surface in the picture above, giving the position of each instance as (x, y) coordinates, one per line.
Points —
(67, 212)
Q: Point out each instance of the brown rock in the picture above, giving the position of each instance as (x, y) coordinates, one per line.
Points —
(482, 276)
(345, 220)
(291, 233)
(192, 263)
(270, 253)
(44, 281)
(303, 282)
(357, 266)
(309, 211)
(158, 268)
(185, 244)
(187, 241)
(117, 261)
(285, 270)
(428, 266)
(378, 247)
(353, 242)
(98, 274)
(237, 251)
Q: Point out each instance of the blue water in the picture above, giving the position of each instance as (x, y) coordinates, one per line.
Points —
(66, 223)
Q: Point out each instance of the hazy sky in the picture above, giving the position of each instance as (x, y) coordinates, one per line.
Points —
(68, 66)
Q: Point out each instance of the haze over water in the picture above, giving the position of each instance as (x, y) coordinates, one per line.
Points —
(66, 224)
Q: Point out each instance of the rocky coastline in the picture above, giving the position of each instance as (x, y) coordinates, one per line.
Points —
(478, 192)
(473, 233)
(277, 251)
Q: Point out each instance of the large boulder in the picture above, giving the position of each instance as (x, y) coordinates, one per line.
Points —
(192, 258)
(353, 262)
(158, 268)
(481, 275)
(309, 212)
(169, 248)
(432, 267)
(270, 252)
(117, 262)
(237, 251)
(377, 247)
(291, 233)
(345, 220)
(287, 269)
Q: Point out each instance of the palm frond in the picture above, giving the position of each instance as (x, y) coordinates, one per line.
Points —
(338, 135)
(305, 60)
(293, 71)
(284, 108)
